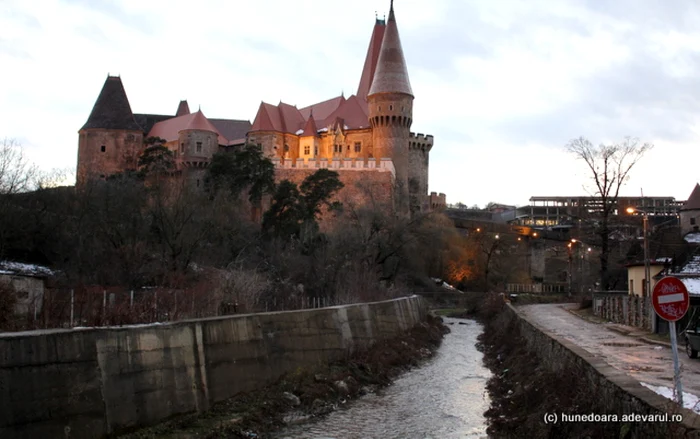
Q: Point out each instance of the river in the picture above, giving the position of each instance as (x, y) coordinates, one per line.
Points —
(445, 398)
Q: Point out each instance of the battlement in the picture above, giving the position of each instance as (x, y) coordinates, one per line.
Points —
(337, 164)
(420, 141)
(437, 201)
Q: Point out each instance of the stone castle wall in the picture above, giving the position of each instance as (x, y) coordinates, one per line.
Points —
(121, 151)
(91, 382)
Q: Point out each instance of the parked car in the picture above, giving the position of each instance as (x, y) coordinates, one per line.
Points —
(692, 336)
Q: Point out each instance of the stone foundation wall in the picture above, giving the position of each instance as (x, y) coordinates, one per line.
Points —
(87, 383)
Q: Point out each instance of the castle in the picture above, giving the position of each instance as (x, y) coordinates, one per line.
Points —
(365, 137)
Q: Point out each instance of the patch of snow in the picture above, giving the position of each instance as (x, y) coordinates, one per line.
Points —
(690, 401)
(692, 284)
(345, 127)
(323, 130)
(693, 238)
(299, 132)
(19, 268)
(692, 266)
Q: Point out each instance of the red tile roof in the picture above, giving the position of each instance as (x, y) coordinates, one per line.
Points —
(169, 129)
(353, 113)
(391, 75)
(310, 127)
(375, 44)
(323, 109)
(693, 201)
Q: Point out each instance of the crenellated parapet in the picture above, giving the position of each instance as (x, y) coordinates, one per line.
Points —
(337, 164)
(437, 201)
(420, 141)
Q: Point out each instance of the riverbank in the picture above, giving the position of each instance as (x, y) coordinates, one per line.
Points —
(524, 388)
(306, 393)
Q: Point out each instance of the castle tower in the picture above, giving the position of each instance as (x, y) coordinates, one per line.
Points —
(390, 105)
(111, 140)
(199, 141)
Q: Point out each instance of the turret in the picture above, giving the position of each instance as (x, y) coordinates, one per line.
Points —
(390, 105)
(111, 140)
(198, 142)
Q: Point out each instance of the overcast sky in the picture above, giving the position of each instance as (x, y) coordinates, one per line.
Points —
(503, 85)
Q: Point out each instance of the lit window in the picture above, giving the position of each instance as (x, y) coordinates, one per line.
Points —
(307, 150)
(199, 146)
(103, 148)
(358, 146)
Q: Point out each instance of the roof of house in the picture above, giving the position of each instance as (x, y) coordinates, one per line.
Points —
(391, 75)
(693, 201)
(322, 109)
(112, 110)
(21, 269)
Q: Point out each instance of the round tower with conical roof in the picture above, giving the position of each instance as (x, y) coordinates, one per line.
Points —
(390, 105)
(111, 139)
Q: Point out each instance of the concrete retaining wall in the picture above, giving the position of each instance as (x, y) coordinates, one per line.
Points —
(618, 392)
(86, 383)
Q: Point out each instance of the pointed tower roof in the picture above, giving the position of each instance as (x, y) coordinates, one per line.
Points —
(375, 44)
(201, 123)
(693, 202)
(310, 127)
(112, 110)
(391, 75)
(182, 109)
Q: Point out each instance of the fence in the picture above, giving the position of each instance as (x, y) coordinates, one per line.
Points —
(624, 309)
(67, 308)
(537, 288)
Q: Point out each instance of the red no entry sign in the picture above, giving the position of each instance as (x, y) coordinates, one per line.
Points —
(670, 299)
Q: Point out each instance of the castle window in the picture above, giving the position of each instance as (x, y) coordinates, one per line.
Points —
(307, 150)
(198, 182)
(379, 108)
(182, 148)
(103, 148)
(692, 221)
(102, 176)
(358, 146)
(315, 150)
(286, 148)
(348, 148)
(391, 108)
(199, 146)
(129, 137)
(338, 148)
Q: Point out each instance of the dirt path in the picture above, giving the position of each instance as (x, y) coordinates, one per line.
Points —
(648, 363)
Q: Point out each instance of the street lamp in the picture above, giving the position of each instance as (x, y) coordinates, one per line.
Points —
(647, 269)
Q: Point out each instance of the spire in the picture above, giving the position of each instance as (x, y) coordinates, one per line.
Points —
(182, 109)
(112, 110)
(375, 45)
(391, 75)
(310, 127)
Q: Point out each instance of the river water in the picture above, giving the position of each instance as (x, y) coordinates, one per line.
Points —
(445, 398)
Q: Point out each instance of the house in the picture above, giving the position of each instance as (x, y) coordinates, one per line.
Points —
(28, 282)
(635, 275)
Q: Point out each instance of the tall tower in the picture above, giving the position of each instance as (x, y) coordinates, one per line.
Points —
(390, 105)
(111, 140)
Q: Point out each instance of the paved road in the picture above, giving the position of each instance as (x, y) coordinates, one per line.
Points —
(649, 363)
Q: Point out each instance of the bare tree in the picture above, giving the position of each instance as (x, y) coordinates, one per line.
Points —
(16, 172)
(609, 166)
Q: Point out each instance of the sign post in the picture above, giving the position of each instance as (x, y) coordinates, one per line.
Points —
(670, 300)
